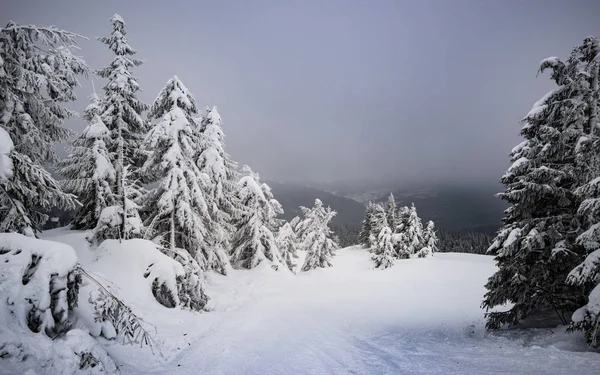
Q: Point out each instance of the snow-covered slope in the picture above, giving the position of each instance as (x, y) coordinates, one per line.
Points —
(421, 316)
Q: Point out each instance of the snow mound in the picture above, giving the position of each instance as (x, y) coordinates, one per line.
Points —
(132, 268)
(6, 146)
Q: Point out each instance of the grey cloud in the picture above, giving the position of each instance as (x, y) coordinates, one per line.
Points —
(324, 90)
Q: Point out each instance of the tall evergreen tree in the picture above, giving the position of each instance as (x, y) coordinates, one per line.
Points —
(176, 209)
(38, 74)
(254, 242)
(121, 109)
(365, 232)
(413, 231)
(378, 220)
(222, 175)
(391, 212)
(87, 169)
(317, 237)
(536, 248)
(586, 275)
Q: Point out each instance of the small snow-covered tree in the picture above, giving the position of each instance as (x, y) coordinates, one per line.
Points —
(384, 252)
(121, 109)
(317, 237)
(38, 74)
(287, 243)
(254, 242)
(176, 209)
(121, 220)
(429, 241)
(88, 171)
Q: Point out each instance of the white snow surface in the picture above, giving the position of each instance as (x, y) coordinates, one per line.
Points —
(6, 146)
(421, 316)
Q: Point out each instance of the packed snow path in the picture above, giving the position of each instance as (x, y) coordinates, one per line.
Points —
(421, 316)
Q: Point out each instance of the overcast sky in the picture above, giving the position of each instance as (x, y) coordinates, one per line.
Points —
(343, 90)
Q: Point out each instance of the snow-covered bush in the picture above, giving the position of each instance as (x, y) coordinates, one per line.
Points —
(121, 220)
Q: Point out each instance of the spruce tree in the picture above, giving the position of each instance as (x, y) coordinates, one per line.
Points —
(121, 109)
(383, 255)
(536, 248)
(413, 231)
(317, 237)
(176, 209)
(429, 241)
(287, 243)
(378, 220)
(254, 242)
(221, 177)
(365, 232)
(38, 74)
(391, 212)
(87, 170)
(586, 275)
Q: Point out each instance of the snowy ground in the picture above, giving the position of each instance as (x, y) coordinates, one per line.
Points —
(421, 316)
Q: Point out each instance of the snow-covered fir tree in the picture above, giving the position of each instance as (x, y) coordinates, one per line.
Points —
(221, 174)
(412, 230)
(287, 243)
(254, 242)
(176, 210)
(429, 241)
(391, 212)
(536, 248)
(317, 237)
(38, 74)
(383, 253)
(586, 276)
(121, 220)
(87, 170)
(364, 237)
(378, 220)
(121, 109)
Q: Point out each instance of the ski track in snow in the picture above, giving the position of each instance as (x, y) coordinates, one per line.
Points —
(421, 316)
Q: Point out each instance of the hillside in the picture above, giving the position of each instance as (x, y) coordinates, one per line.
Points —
(452, 207)
(292, 196)
(421, 316)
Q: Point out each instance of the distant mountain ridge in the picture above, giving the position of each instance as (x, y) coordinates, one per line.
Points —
(450, 206)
